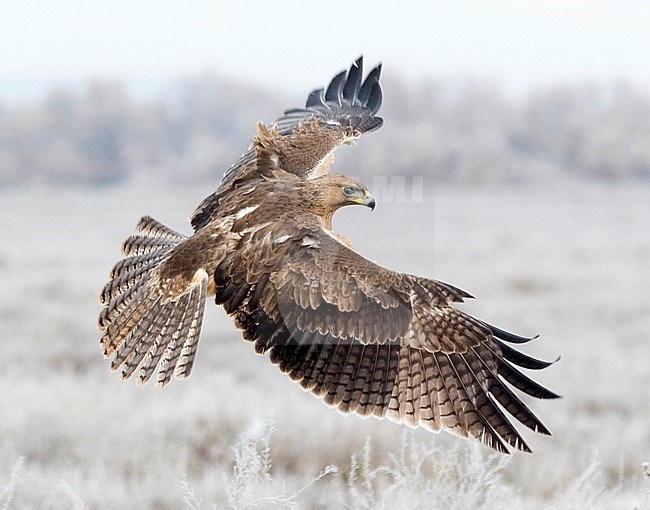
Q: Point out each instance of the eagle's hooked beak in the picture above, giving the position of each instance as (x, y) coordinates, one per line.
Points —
(364, 198)
(369, 200)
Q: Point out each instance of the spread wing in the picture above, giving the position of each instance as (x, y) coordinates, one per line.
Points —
(373, 341)
(303, 140)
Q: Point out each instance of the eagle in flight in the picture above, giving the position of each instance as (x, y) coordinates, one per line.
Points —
(365, 339)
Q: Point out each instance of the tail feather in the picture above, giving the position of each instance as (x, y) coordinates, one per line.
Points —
(161, 342)
(126, 280)
(172, 352)
(147, 326)
(124, 302)
(153, 228)
(135, 262)
(125, 322)
(188, 353)
(140, 326)
(185, 338)
(140, 245)
(143, 346)
(144, 252)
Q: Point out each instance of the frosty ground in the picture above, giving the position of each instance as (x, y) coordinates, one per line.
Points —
(569, 262)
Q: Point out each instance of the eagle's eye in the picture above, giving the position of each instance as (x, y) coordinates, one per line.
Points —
(348, 191)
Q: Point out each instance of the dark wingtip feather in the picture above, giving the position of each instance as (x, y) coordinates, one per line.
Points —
(523, 360)
(375, 99)
(542, 429)
(523, 382)
(316, 98)
(509, 337)
(368, 83)
(353, 81)
(335, 88)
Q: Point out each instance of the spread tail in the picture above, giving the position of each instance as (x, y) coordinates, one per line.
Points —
(141, 325)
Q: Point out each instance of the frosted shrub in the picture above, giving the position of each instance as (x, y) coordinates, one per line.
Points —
(250, 486)
(7, 490)
(463, 477)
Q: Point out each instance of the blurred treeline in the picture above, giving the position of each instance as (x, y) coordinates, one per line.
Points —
(447, 131)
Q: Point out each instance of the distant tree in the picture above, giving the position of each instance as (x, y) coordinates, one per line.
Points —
(443, 131)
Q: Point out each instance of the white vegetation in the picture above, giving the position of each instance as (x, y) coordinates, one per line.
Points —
(568, 262)
(457, 131)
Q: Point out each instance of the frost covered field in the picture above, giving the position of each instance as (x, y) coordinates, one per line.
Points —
(570, 262)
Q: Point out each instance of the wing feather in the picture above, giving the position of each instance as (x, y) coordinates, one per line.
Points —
(353, 82)
(303, 140)
(386, 381)
(334, 92)
(316, 98)
(510, 402)
(365, 92)
(378, 343)
(360, 377)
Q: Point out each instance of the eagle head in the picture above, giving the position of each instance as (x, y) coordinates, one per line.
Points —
(334, 191)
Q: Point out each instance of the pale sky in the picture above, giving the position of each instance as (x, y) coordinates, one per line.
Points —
(297, 44)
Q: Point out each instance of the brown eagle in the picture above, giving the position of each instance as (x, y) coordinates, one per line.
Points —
(364, 338)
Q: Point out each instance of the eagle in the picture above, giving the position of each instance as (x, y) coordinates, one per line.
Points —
(363, 338)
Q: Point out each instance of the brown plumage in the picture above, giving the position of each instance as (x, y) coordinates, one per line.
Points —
(363, 338)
